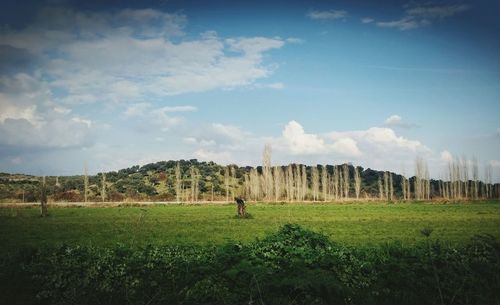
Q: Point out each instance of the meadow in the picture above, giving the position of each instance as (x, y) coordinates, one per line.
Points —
(302, 253)
(357, 224)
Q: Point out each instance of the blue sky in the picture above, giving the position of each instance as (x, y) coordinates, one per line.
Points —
(115, 83)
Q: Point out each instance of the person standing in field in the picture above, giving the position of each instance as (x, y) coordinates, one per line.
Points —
(241, 206)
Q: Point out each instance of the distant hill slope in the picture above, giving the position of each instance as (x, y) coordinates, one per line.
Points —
(158, 182)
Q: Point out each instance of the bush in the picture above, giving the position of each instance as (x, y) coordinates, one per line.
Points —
(292, 266)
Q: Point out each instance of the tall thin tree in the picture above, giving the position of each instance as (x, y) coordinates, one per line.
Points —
(267, 172)
(391, 187)
(315, 182)
(226, 181)
(380, 188)
(357, 181)
(43, 198)
(346, 181)
(103, 187)
(324, 182)
(85, 183)
(178, 182)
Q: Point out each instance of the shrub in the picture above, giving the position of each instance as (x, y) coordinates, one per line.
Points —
(292, 266)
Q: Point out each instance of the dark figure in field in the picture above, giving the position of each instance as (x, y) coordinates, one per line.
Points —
(241, 206)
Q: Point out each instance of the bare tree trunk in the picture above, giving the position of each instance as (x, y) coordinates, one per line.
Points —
(391, 187)
(85, 183)
(487, 181)
(297, 178)
(194, 183)
(465, 170)
(403, 186)
(422, 187)
(315, 182)
(266, 172)
(304, 183)
(357, 181)
(278, 183)
(324, 183)
(341, 183)
(296, 182)
(427, 182)
(43, 198)
(336, 179)
(386, 185)
(289, 182)
(178, 182)
(103, 191)
(380, 188)
(408, 189)
(346, 181)
(226, 182)
(475, 178)
(255, 184)
(233, 181)
(212, 190)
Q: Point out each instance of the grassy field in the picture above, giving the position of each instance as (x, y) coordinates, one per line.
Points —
(353, 224)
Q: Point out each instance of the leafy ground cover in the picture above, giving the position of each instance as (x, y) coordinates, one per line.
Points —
(291, 266)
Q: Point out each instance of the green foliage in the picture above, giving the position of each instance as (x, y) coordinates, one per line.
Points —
(291, 266)
(155, 181)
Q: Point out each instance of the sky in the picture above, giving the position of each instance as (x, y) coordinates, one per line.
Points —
(376, 83)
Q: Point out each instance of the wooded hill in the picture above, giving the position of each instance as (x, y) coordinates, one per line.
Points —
(194, 181)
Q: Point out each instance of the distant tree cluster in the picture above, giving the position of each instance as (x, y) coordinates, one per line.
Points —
(195, 181)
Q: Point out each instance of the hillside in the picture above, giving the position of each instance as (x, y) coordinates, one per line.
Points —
(213, 182)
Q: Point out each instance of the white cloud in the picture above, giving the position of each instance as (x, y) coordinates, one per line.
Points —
(393, 120)
(423, 15)
(231, 132)
(347, 147)
(202, 142)
(278, 85)
(437, 11)
(178, 108)
(396, 121)
(446, 156)
(161, 117)
(190, 140)
(495, 163)
(255, 45)
(137, 109)
(29, 117)
(16, 160)
(327, 15)
(367, 20)
(83, 121)
(19, 96)
(57, 133)
(82, 56)
(403, 24)
(380, 148)
(294, 40)
(388, 136)
(300, 142)
(220, 157)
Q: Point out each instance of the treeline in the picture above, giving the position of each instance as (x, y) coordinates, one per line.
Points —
(194, 181)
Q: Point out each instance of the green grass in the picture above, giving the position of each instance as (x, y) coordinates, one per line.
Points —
(353, 224)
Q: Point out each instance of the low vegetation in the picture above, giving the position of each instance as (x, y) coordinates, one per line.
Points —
(290, 266)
